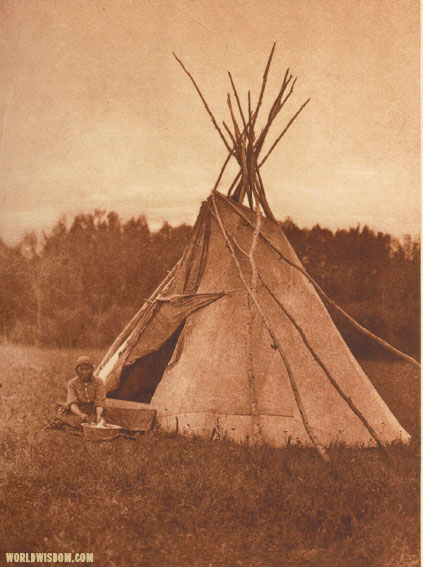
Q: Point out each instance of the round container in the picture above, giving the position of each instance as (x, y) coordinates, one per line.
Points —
(100, 433)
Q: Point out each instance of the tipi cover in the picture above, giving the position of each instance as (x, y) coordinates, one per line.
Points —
(201, 354)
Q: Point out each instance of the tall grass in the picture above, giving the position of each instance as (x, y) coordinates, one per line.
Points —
(165, 500)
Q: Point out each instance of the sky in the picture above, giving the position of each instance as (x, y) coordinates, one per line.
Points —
(95, 113)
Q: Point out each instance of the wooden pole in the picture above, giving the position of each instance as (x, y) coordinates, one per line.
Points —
(238, 102)
(215, 124)
(278, 139)
(320, 291)
(263, 86)
(275, 109)
(234, 182)
(331, 378)
(315, 356)
(250, 329)
(307, 426)
(258, 436)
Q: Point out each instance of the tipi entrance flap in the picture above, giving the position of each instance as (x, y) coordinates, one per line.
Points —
(169, 314)
(150, 347)
(163, 317)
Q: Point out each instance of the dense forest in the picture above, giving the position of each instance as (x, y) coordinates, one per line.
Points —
(79, 284)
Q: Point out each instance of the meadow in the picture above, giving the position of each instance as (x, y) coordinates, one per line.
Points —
(170, 501)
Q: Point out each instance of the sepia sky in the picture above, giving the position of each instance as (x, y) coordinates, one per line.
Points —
(95, 113)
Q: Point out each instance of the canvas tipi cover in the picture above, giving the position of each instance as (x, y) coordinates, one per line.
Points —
(201, 354)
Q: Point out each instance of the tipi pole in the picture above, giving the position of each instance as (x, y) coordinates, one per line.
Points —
(228, 130)
(225, 163)
(234, 182)
(250, 359)
(249, 158)
(276, 142)
(297, 396)
(276, 108)
(219, 177)
(237, 101)
(263, 85)
(232, 114)
(264, 194)
(206, 106)
(320, 291)
(251, 377)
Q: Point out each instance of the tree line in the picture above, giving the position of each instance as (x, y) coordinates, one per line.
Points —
(78, 285)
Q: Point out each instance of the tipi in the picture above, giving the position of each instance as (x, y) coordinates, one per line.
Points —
(236, 341)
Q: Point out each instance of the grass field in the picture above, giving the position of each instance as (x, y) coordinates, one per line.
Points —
(171, 501)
